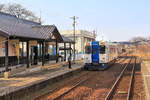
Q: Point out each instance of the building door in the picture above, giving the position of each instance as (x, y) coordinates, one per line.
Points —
(34, 55)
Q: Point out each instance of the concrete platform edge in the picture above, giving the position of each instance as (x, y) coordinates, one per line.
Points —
(147, 97)
(37, 85)
(146, 89)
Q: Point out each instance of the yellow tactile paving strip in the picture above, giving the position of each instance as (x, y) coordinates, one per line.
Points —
(59, 64)
(21, 81)
(54, 65)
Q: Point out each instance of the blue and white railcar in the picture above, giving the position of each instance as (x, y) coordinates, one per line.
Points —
(99, 55)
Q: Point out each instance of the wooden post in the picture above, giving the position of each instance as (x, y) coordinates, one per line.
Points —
(56, 51)
(22, 54)
(70, 48)
(45, 48)
(28, 56)
(6, 55)
(22, 49)
(40, 51)
(64, 51)
(43, 54)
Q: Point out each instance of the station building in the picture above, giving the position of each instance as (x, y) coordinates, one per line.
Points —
(81, 37)
(27, 42)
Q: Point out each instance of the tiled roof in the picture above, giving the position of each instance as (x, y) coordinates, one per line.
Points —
(48, 31)
(67, 40)
(13, 26)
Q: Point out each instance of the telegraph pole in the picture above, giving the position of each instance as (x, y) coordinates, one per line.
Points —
(74, 26)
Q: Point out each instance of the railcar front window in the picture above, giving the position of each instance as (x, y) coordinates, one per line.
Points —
(102, 49)
(88, 49)
(94, 50)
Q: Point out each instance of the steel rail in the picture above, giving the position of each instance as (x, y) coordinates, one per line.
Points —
(110, 94)
(124, 59)
(54, 89)
(69, 90)
(60, 96)
(131, 81)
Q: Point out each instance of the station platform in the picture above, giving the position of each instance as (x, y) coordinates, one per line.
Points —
(33, 76)
(146, 75)
(22, 67)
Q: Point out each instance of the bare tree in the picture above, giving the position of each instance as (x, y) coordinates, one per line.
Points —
(148, 38)
(136, 39)
(20, 12)
(2, 7)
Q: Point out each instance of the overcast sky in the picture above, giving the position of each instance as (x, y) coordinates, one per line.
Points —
(116, 20)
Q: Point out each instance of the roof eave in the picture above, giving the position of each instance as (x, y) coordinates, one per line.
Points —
(4, 34)
(26, 38)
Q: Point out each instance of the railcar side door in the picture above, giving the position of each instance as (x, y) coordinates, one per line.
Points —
(95, 52)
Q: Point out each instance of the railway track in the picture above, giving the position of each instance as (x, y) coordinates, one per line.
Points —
(77, 84)
(70, 89)
(60, 96)
(122, 88)
(51, 91)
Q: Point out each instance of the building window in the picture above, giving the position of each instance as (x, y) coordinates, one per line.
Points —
(95, 50)
(102, 49)
(23, 52)
(87, 49)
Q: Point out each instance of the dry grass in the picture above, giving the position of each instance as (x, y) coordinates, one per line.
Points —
(142, 51)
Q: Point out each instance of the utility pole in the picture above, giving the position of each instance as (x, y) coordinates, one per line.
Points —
(102, 37)
(74, 26)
